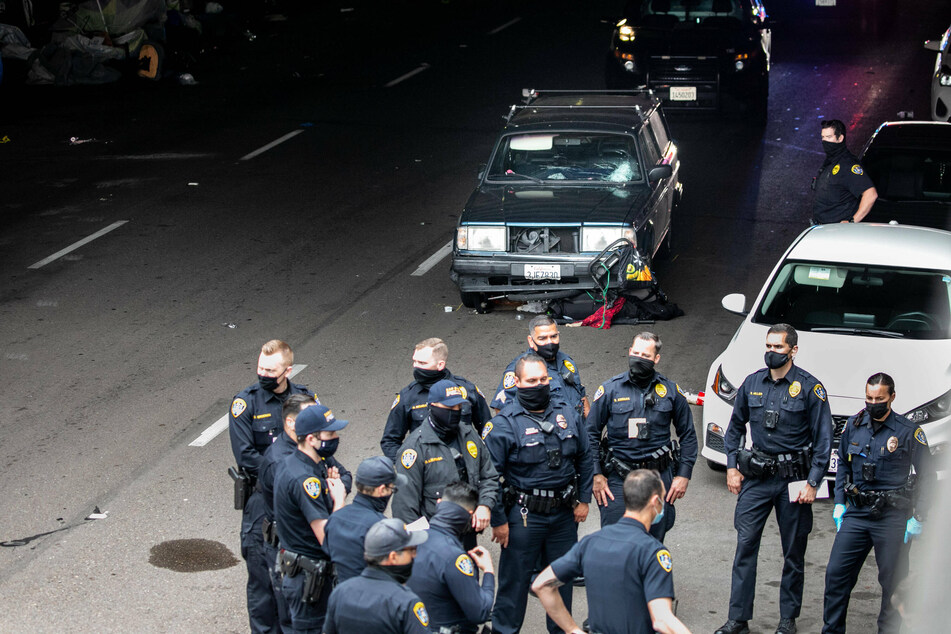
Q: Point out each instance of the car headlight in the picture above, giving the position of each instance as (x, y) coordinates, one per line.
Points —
(932, 410)
(625, 33)
(741, 60)
(599, 238)
(944, 80)
(722, 386)
(480, 238)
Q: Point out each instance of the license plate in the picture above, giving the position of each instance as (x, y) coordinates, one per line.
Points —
(683, 93)
(834, 461)
(825, 3)
(543, 271)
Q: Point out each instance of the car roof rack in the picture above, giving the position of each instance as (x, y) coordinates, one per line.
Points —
(531, 94)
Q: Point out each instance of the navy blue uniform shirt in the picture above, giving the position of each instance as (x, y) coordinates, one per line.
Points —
(411, 408)
(624, 569)
(283, 446)
(839, 186)
(300, 497)
(256, 420)
(565, 382)
(804, 417)
(621, 406)
(375, 603)
(345, 532)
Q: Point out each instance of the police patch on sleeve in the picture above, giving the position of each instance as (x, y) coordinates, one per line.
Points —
(920, 436)
(663, 558)
(500, 397)
(473, 449)
(795, 389)
(508, 380)
(480, 392)
(819, 391)
(835, 170)
(312, 486)
(486, 429)
(857, 170)
(599, 393)
(238, 406)
(421, 614)
(396, 401)
(661, 390)
(570, 366)
(408, 459)
(465, 566)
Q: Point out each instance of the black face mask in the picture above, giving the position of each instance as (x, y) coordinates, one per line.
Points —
(876, 410)
(269, 383)
(775, 360)
(454, 517)
(445, 421)
(547, 351)
(400, 573)
(534, 398)
(378, 504)
(328, 447)
(831, 148)
(427, 377)
(640, 370)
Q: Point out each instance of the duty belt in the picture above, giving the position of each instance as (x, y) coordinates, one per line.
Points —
(317, 572)
(541, 500)
(659, 460)
(877, 501)
(269, 529)
(754, 463)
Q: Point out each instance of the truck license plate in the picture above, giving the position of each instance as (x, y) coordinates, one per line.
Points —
(683, 93)
(543, 271)
(834, 461)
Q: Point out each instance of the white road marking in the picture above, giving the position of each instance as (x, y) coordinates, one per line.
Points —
(433, 260)
(76, 245)
(222, 423)
(422, 67)
(272, 144)
(504, 26)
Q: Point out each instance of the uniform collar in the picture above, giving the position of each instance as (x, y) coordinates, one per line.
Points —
(305, 459)
(518, 408)
(630, 521)
(551, 364)
(429, 436)
(372, 572)
(791, 376)
(890, 421)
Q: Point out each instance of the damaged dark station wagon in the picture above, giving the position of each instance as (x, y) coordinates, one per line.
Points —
(572, 173)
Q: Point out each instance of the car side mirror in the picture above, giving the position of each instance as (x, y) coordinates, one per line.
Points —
(659, 172)
(933, 45)
(735, 303)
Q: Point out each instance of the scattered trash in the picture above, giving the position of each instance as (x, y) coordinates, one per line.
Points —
(193, 184)
(447, 309)
(232, 326)
(533, 307)
(97, 514)
(187, 79)
(694, 398)
(519, 317)
(75, 140)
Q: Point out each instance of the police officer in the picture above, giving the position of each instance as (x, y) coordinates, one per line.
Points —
(844, 192)
(539, 447)
(791, 428)
(255, 422)
(444, 574)
(304, 497)
(376, 481)
(638, 408)
(883, 460)
(377, 600)
(630, 584)
(410, 408)
(442, 451)
(544, 340)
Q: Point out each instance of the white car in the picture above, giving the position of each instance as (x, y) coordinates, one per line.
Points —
(941, 80)
(865, 298)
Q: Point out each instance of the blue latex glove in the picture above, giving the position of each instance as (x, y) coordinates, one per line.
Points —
(837, 514)
(912, 529)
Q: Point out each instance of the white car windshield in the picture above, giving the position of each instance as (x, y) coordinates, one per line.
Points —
(859, 300)
(566, 156)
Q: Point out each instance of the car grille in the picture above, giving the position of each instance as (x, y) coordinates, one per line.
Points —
(838, 427)
(682, 70)
(715, 442)
(544, 240)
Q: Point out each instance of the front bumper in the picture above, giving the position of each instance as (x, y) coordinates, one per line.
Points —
(504, 273)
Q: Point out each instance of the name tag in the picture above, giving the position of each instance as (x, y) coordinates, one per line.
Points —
(633, 427)
(531, 430)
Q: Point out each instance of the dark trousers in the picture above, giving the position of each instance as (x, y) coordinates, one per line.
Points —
(611, 513)
(858, 535)
(277, 582)
(307, 618)
(753, 505)
(262, 604)
(550, 536)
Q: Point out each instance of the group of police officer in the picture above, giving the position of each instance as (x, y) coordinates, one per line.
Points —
(529, 473)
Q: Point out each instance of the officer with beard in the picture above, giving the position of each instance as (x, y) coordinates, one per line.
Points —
(255, 423)
(844, 192)
(540, 448)
(565, 384)
(410, 407)
(444, 574)
(444, 450)
(634, 411)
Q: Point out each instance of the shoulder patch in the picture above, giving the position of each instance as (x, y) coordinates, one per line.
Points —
(920, 436)
(857, 170)
(680, 391)
(238, 406)
(396, 401)
(508, 380)
(487, 429)
(663, 558)
(312, 486)
(795, 389)
(465, 566)
(561, 421)
(570, 366)
(835, 170)
(479, 392)
(421, 614)
(819, 391)
(599, 393)
(408, 459)
(661, 390)
(316, 400)
(472, 448)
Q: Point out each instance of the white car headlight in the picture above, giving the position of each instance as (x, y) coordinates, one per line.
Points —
(480, 238)
(944, 80)
(599, 238)
(722, 387)
(932, 410)
(625, 33)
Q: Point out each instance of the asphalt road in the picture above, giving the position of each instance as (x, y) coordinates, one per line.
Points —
(116, 356)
